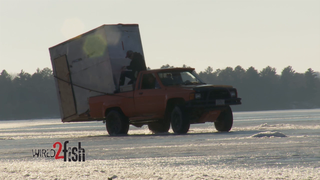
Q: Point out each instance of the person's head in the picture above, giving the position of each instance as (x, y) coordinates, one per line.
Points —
(129, 54)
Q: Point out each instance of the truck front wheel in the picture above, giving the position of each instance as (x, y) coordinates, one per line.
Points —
(117, 123)
(225, 120)
(179, 122)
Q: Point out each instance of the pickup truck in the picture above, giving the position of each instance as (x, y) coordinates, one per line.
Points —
(162, 97)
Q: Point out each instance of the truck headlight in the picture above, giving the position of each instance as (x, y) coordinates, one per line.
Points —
(197, 96)
(233, 93)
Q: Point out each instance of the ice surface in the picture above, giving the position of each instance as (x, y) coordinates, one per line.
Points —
(203, 153)
(148, 168)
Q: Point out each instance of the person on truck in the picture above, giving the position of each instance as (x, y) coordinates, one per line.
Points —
(137, 64)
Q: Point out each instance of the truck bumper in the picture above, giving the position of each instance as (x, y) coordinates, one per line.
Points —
(216, 103)
(200, 111)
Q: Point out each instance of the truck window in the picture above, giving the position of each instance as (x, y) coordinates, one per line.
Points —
(187, 76)
(178, 78)
(149, 81)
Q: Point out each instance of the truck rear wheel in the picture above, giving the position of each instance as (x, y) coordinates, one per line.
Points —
(117, 123)
(179, 122)
(162, 126)
(224, 121)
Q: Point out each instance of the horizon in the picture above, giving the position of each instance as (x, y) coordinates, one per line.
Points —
(199, 34)
(14, 74)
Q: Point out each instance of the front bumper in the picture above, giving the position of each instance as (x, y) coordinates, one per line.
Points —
(215, 103)
(195, 109)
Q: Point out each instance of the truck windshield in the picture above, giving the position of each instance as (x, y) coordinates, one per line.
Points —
(172, 78)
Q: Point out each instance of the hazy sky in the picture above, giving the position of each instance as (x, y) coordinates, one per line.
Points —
(199, 33)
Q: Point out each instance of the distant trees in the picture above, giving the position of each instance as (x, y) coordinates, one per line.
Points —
(166, 66)
(27, 96)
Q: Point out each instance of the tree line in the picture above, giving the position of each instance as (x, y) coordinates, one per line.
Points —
(27, 96)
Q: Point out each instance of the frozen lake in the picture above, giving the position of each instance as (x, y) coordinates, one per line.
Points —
(201, 154)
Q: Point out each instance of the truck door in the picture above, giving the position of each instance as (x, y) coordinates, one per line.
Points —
(149, 97)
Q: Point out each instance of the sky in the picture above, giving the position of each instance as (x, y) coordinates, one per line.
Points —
(220, 34)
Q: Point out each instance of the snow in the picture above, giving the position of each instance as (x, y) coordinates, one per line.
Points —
(261, 145)
(269, 134)
(148, 168)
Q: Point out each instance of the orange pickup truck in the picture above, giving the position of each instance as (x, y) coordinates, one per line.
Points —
(162, 97)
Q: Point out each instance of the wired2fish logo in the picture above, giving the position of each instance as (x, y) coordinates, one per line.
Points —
(69, 153)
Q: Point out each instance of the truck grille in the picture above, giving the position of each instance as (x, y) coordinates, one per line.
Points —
(218, 94)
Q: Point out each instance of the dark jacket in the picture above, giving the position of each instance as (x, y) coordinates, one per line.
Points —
(137, 64)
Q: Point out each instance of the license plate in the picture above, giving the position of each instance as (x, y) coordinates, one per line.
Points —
(220, 102)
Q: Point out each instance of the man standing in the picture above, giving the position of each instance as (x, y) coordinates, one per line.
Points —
(137, 64)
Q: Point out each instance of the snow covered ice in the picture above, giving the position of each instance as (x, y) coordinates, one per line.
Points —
(269, 134)
(201, 154)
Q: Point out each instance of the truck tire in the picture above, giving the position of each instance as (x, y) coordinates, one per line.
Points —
(117, 123)
(162, 126)
(224, 121)
(179, 122)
